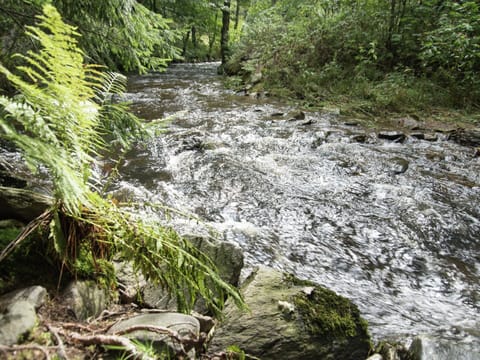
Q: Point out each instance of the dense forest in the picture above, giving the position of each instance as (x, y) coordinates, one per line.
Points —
(63, 67)
(385, 55)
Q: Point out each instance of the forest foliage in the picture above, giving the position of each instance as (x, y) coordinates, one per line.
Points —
(393, 55)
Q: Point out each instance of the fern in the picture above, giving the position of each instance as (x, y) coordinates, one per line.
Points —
(58, 122)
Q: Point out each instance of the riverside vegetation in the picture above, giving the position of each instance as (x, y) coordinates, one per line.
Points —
(371, 57)
(367, 57)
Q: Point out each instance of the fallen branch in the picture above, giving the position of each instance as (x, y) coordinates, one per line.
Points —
(43, 349)
(62, 354)
(112, 340)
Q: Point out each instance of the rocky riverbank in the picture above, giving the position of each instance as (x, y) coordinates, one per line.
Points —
(294, 318)
(288, 318)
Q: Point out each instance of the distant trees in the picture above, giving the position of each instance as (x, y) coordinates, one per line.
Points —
(318, 48)
(133, 35)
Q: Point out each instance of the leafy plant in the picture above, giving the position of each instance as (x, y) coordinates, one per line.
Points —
(56, 122)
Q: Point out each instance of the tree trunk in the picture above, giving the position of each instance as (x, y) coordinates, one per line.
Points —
(185, 43)
(224, 48)
(237, 15)
(212, 38)
(194, 37)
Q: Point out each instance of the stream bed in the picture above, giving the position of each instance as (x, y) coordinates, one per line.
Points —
(392, 225)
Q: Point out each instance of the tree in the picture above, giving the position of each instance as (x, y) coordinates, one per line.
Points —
(225, 34)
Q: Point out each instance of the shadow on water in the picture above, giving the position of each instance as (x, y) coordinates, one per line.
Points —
(393, 226)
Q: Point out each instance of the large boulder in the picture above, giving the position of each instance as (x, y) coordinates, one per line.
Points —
(18, 313)
(292, 319)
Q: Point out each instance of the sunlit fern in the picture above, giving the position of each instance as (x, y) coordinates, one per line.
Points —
(58, 121)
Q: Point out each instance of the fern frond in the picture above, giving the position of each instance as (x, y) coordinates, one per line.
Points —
(58, 123)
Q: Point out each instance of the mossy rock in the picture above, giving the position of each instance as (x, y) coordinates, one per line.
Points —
(293, 319)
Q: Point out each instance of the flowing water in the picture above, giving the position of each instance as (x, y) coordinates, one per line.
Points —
(393, 226)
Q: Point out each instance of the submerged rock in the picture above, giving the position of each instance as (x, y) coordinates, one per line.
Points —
(398, 165)
(18, 313)
(293, 319)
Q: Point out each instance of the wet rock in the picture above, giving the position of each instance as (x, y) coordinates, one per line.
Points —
(375, 357)
(398, 165)
(466, 137)
(396, 136)
(351, 123)
(424, 136)
(359, 138)
(306, 122)
(292, 318)
(296, 115)
(85, 299)
(393, 351)
(277, 114)
(22, 204)
(418, 135)
(426, 347)
(430, 137)
(227, 257)
(183, 325)
(18, 313)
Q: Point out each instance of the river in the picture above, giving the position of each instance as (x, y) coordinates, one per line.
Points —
(394, 226)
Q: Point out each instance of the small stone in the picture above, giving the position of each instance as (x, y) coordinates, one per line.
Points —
(308, 290)
(296, 115)
(431, 137)
(18, 313)
(399, 165)
(418, 135)
(350, 123)
(286, 307)
(359, 138)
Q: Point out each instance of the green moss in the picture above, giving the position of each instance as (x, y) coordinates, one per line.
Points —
(26, 264)
(7, 235)
(326, 314)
